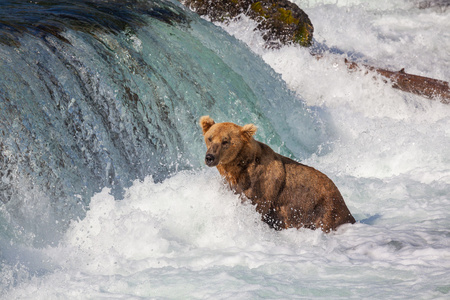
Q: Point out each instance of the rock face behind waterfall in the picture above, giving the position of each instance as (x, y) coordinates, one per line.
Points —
(282, 22)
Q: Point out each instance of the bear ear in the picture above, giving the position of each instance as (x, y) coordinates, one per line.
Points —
(206, 122)
(247, 131)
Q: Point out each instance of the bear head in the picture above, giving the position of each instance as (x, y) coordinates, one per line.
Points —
(224, 141)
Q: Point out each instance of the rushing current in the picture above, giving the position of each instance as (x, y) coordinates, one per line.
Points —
(103, 189)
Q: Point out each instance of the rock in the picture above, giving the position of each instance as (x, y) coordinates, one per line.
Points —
(281, 22)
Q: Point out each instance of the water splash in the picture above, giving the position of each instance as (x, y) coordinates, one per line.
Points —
(97, 94)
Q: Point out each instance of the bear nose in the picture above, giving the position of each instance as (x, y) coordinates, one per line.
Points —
(209, 159)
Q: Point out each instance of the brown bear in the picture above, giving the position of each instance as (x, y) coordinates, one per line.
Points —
(286, 193)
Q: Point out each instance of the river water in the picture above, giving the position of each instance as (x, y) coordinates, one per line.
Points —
(103, 188)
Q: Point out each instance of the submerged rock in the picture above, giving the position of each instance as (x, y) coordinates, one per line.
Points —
(282, 22)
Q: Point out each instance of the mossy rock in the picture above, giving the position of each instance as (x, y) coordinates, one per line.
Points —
(282, 22)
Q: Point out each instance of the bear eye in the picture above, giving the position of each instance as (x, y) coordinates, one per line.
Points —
(224, 143)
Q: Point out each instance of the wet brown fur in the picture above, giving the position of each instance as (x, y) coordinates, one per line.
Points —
(286, 193)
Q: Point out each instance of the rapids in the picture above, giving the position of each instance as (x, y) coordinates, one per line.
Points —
(104, 193)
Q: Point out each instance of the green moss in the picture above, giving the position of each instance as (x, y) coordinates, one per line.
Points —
(286, 16)
(303, 36)
(257, 7)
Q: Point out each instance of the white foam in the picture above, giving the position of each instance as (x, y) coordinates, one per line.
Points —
(381, 131)
(190, 237)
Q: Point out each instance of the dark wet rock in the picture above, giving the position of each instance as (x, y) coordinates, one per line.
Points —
(281, 22)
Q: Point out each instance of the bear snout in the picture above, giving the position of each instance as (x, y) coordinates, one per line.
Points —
(210, 160)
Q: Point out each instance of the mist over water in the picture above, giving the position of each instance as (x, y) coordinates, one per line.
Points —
(102, 181)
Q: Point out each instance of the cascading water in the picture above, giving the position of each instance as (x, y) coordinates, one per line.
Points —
(103, 189)
(97, 94)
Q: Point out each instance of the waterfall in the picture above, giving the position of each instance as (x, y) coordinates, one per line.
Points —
(97, 94)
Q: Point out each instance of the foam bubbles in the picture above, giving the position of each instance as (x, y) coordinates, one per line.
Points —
(162, 224)
(191, 237)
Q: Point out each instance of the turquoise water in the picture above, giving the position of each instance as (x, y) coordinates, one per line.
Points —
(104, 193)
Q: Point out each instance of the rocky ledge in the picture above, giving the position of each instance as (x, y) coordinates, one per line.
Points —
(281, 21)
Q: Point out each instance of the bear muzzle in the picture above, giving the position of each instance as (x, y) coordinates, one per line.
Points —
(210, 160)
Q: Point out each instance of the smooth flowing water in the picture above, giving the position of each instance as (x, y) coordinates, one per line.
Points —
(104, 193)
